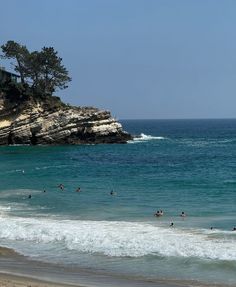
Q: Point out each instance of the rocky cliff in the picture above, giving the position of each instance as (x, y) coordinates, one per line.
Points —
(41, 122)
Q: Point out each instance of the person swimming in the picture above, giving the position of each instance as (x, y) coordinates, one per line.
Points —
(78, 189)
(159, 213)
(172, 224)
(30, 196)
(61, 186)
(182, 214)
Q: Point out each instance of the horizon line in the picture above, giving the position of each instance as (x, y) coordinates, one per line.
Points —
(173, 119)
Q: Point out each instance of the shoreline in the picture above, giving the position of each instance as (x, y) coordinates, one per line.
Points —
(19, 271)
(12, 280)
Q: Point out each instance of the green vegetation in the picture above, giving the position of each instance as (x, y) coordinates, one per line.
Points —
(41, 72)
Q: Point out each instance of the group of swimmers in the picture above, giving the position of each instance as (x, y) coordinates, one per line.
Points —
(234, 228)
(183, 214)
(61, 186)
(161, 213)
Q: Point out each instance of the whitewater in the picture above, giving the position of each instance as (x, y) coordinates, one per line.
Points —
(120, 239)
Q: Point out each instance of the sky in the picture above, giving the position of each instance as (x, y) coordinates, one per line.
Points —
(140, 59)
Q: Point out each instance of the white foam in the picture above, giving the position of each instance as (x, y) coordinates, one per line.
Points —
(144, 137)
(18, 192)
(52, 167)
(118, 238)
(5, 208)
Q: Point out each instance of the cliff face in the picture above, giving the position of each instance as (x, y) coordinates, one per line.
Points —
(36, 123)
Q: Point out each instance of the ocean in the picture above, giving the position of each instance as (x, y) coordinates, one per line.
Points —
(172, 165)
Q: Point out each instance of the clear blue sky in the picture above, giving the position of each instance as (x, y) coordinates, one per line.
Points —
(139, 59)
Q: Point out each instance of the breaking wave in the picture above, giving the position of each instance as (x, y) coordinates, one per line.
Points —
(142, 137)
(120, 239)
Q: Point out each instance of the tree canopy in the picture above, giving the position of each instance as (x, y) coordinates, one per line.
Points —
(42, 71)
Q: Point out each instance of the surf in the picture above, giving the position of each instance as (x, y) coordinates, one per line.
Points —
(119, 238)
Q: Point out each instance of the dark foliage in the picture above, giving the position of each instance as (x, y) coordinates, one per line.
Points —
(41, 72)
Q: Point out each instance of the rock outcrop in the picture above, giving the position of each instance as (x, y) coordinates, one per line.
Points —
(36, 122)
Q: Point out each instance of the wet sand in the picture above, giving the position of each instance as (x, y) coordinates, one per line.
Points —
(13, 280)
(19, 271)
(8, 280)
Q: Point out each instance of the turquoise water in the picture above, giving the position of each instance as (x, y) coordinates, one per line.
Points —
(183, 165)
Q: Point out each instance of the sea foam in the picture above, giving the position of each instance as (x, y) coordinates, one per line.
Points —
(118, 239)
(143, 137)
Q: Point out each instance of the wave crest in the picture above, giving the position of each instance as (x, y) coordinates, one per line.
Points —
(119, 239)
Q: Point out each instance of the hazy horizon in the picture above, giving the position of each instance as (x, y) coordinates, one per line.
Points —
(175, 119)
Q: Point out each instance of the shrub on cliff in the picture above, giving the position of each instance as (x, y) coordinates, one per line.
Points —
(15, 92)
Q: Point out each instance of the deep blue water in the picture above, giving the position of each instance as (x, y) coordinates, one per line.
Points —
(172, 165)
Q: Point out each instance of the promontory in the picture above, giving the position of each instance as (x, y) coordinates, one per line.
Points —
(50, 122)
(31, 114)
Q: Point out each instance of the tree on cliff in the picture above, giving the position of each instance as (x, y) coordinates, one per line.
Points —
(42, 70)
(47, 72)
(13, 50)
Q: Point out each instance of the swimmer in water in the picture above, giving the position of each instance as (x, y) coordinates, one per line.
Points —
(78, 189)
(61, 186)
(183, 214)
(172, 224)
(158, 213)
(30, 196)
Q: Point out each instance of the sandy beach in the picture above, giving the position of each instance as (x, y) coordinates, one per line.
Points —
(12, 280)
